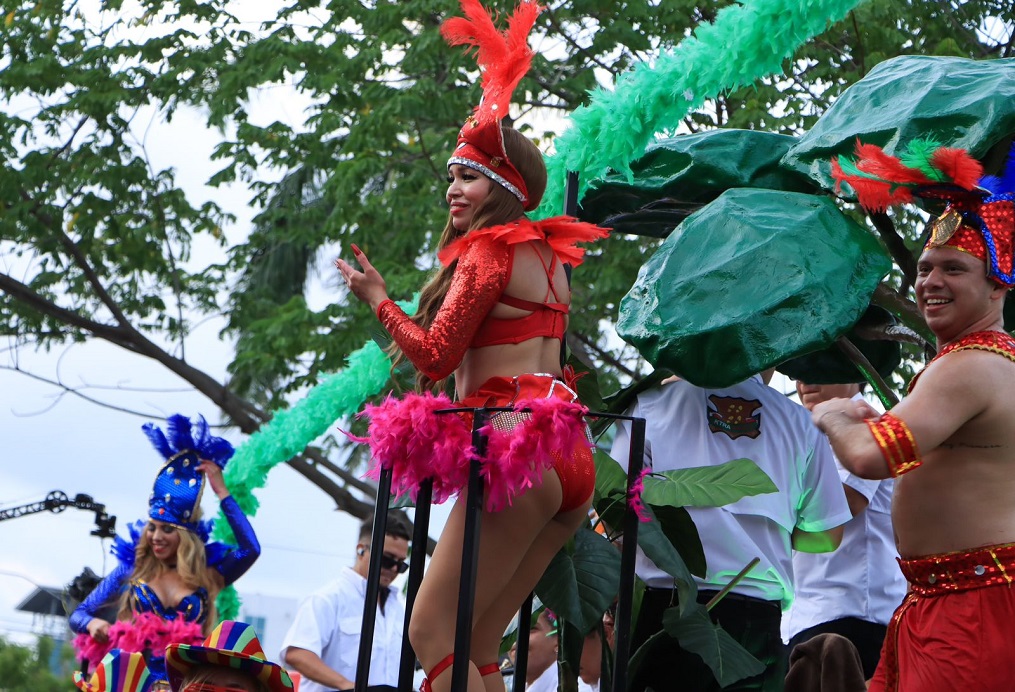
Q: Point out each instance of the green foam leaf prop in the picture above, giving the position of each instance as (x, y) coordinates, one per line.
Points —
(580, 584)
(962, 103)
(749, 281)
(677, 176)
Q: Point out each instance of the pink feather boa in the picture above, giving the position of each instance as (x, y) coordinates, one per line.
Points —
(407, 436)
(145, 631)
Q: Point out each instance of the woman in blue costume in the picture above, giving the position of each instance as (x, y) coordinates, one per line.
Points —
(165, 586)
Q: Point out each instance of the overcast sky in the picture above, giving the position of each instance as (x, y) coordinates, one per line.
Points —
(52, 440)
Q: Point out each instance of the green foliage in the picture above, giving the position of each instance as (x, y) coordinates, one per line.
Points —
(707, 486)
(696, 631)
(27, 669)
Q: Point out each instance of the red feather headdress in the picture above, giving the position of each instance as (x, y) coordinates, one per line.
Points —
(980, 217)
(504, 58)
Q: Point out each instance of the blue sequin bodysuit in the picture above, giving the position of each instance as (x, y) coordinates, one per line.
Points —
(143, 599)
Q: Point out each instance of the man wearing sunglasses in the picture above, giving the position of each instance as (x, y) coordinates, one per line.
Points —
(322, 643)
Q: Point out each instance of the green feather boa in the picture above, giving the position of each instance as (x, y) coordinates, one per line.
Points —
(746, 42)
(290, 431)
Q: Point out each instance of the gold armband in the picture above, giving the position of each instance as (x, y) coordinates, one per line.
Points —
(897, 444)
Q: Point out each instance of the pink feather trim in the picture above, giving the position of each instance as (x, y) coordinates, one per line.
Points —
(517, 458)
(147, 631)
(407, 436)
(634, 493)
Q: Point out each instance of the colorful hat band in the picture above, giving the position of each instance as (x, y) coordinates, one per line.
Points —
(984, 229)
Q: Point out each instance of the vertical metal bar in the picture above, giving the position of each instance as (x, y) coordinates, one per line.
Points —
(420, 537)
(522, 647)
(570, 205)
(470, 557)
(625, 599)
(570, 209)
(373, 581)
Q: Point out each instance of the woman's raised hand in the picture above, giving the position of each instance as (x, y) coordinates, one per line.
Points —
(367, 285)
(213, 473)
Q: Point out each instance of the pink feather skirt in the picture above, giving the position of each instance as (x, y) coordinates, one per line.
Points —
(408, 436)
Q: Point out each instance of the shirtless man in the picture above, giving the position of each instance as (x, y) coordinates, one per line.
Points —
(954, 437)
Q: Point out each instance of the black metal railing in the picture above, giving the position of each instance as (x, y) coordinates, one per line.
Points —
(470, 559)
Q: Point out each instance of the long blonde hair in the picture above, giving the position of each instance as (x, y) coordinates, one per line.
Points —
(499, 207)
(191, 565)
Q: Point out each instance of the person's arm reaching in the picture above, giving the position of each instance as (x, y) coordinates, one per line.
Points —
(309, 665)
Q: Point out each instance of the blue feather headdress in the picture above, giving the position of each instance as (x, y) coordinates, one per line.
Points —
(176, 494)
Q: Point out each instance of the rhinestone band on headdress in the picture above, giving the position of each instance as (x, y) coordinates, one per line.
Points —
(980, 217)
(504, 57)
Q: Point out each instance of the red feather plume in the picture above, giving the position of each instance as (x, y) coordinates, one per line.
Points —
(959, 166)
(504, 57)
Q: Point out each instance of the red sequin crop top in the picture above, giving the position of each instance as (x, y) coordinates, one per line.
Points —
(485, 258)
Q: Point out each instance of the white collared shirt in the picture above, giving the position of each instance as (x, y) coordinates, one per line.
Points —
(688, 426)
(328, 623)
(547, 682)
(861, 578)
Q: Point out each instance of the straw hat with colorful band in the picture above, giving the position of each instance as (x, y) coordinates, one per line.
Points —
(980, 216)
(231, 645)
(119, 672)
(176, 494)
(504, 57)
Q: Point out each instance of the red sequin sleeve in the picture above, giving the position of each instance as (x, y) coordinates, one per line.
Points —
(479, 280)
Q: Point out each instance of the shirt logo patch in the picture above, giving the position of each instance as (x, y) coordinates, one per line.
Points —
(734, 417)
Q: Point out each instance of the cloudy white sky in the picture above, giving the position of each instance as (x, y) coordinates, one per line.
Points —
(52, 440)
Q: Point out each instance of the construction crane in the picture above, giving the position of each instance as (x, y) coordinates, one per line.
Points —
(57, 501)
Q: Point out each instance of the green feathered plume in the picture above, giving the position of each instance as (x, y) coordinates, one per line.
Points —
(746, 42)
(919, 154)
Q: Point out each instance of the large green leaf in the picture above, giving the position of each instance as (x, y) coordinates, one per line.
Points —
(680, 531)
(696, 632)
(611, 479)
(707, 486)
(581, 585)
(959, 102)
(752, 279)
(678, 175)
(831, 366)
(657, 547)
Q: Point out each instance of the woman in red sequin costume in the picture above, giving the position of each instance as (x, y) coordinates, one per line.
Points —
(494, 315)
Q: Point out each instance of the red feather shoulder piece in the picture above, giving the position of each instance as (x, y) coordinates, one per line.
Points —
(561, 233)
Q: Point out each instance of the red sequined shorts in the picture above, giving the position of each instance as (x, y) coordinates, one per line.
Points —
(576, 470)
(954, 630)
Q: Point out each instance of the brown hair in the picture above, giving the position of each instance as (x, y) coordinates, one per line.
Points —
(499, 207)
(191, 565)
(203, 673)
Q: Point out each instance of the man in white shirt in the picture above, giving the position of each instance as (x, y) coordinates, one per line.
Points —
(689, 426)
(854, 590)
(322, 643)
(541, 674)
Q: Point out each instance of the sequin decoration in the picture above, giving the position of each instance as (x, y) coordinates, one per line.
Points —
(1000, 343)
